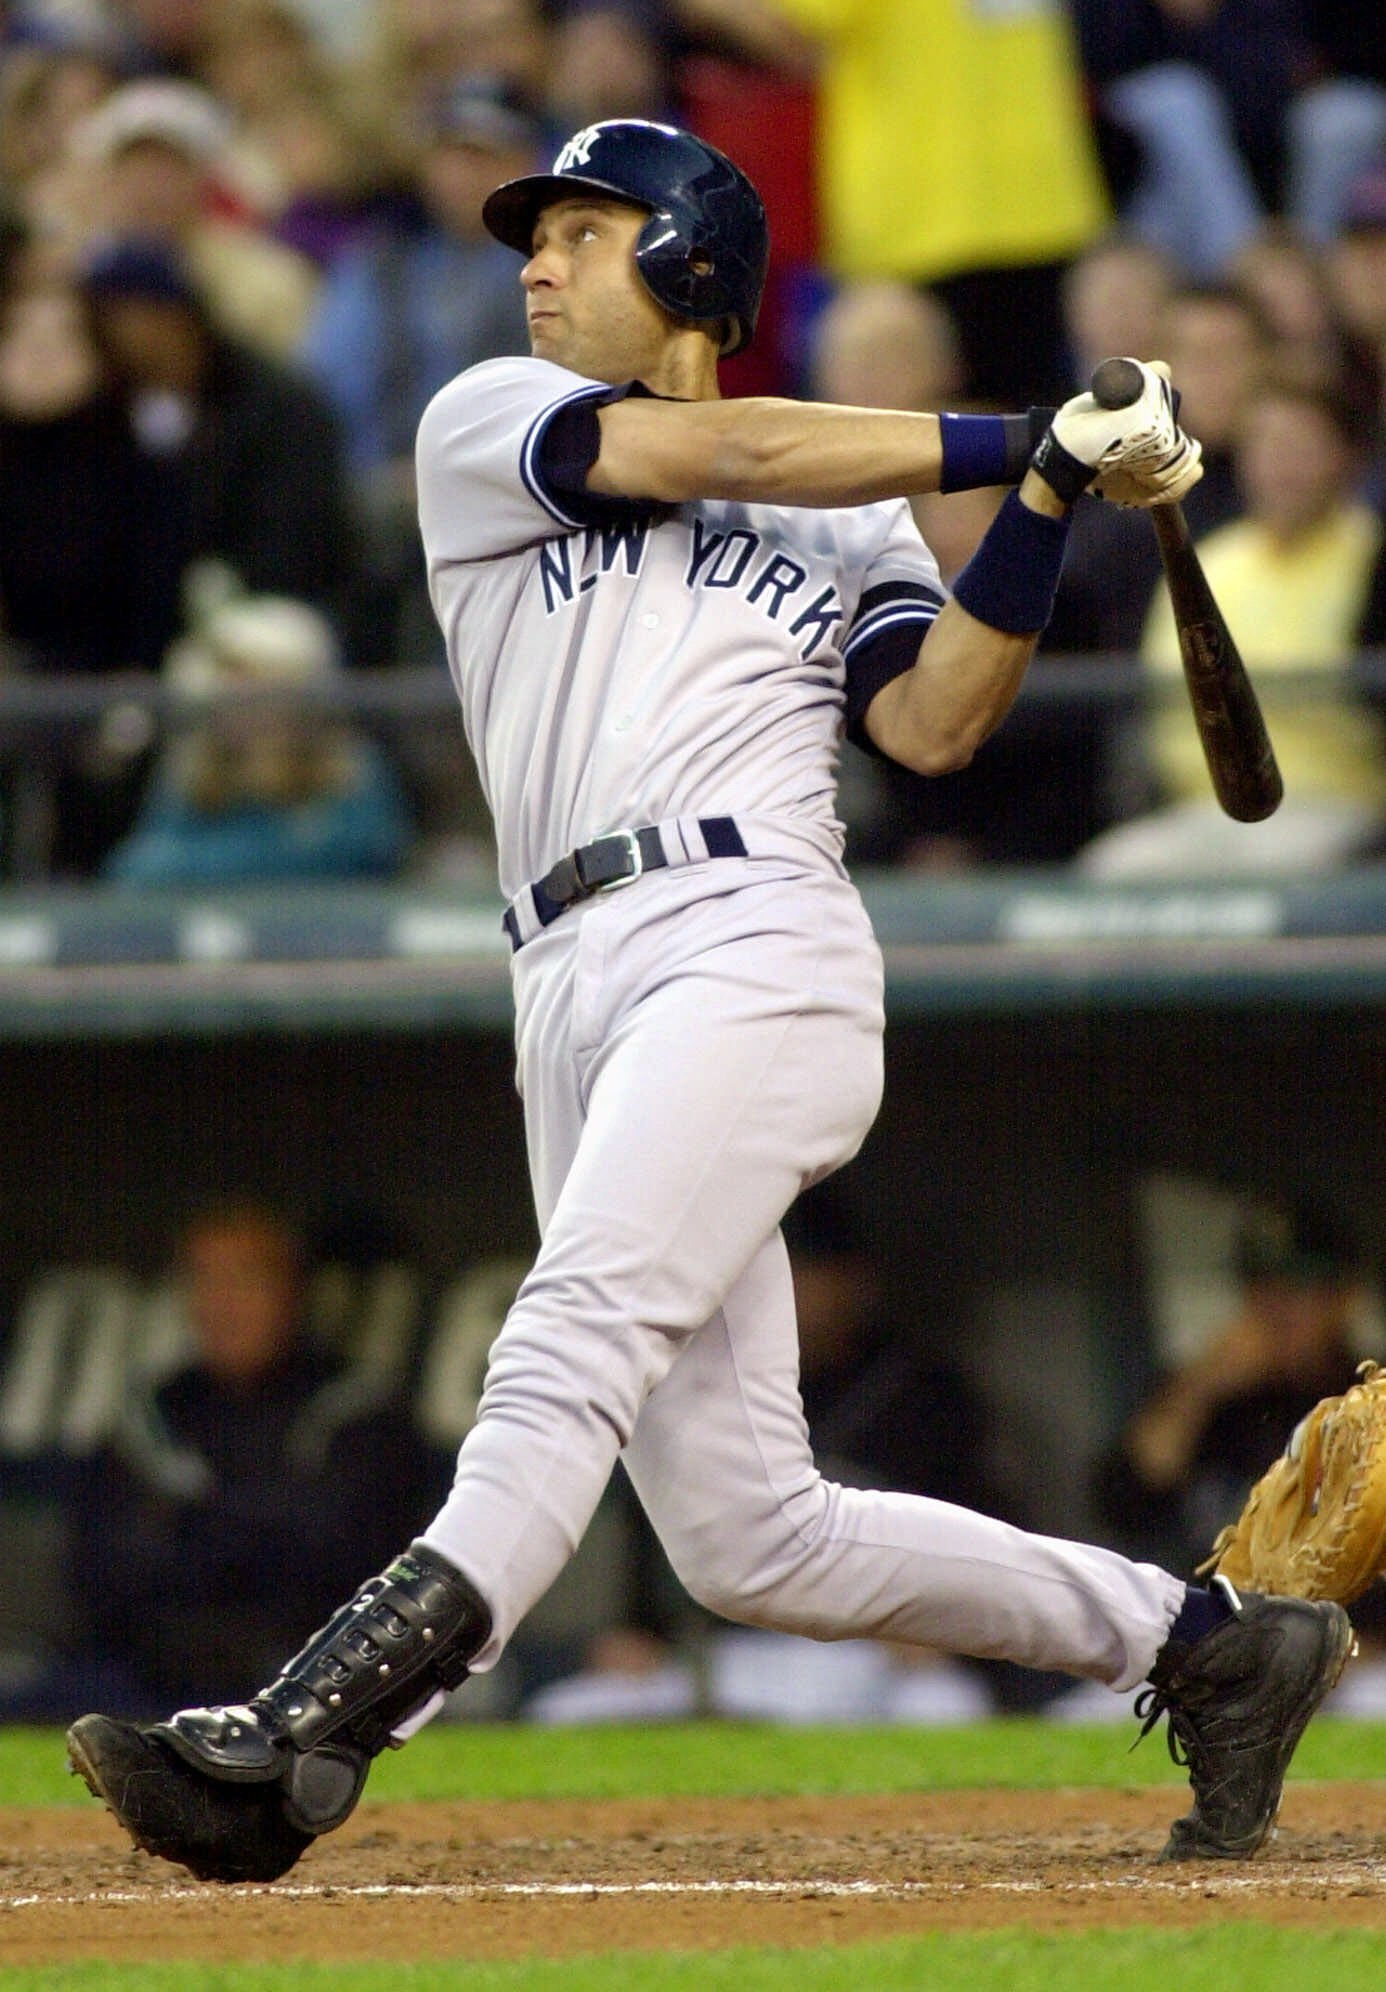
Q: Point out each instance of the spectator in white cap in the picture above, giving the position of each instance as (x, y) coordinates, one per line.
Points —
(263, 787)
(159, 164)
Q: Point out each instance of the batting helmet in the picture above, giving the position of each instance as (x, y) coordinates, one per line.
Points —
(704, 250)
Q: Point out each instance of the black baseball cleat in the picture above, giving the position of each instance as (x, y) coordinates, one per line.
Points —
(236, 1794)
(222, 1832)
(1238, 1702)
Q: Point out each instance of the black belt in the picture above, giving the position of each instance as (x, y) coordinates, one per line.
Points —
(614, 861)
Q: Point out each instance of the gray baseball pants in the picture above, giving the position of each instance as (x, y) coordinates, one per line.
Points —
(693, 1050)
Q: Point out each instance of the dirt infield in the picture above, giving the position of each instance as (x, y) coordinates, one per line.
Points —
(510, 1879)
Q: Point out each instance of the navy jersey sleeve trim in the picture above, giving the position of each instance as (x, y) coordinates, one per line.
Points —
(560, 448)
(891, 604)
(883, 642)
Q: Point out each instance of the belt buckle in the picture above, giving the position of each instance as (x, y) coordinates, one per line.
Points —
(630, 844)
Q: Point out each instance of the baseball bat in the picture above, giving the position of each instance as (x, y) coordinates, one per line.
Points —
(1231, 726)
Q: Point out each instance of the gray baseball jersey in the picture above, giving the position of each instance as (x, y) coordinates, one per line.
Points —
(620, 665)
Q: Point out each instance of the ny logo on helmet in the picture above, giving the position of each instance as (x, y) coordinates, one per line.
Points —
(578, 150)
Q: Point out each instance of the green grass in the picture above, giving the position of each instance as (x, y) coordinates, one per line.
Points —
(730, 1759)
(1232, 1957)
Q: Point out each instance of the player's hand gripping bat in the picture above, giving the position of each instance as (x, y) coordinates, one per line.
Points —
(1236, 745)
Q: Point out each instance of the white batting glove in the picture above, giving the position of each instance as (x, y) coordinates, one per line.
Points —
(1154, 484)
(1136, 455)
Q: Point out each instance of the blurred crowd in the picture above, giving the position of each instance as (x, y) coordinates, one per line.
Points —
(240, 249)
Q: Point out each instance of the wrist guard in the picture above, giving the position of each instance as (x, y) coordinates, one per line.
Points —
(1066, 476)
(981, 450)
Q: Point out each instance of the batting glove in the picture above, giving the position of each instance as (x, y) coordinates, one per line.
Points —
(1086, 442)
(1156, 484)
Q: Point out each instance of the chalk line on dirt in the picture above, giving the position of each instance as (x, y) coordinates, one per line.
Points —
(1368, 1877)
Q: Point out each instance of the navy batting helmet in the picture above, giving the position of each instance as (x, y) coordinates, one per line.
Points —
(704, 250)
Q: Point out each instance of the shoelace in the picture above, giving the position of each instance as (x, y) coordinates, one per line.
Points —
(1148, 1707)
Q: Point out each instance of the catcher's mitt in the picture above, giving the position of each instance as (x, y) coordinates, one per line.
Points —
(1314, 1525)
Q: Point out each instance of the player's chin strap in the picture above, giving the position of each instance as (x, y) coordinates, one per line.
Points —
(405, 1636)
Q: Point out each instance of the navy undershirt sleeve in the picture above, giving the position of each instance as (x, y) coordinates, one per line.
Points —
(890, 624)
(566, 449)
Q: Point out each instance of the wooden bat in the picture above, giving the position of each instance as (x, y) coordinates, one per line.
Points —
(1231, 726)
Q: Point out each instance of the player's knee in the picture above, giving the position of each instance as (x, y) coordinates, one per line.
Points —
(721, 1589)
(747, 1581)
(775, 1603)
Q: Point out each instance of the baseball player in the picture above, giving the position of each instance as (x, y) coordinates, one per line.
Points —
(662, 610)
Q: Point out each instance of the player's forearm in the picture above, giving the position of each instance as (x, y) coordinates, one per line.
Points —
(935, 716)
(764, 451)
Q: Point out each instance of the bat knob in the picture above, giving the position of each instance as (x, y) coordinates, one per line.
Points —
(1117, 383)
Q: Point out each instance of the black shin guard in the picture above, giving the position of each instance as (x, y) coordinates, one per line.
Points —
(404, 1636)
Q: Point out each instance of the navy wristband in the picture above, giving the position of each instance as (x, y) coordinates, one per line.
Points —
(1011, 579)
(974, 451)
(988, 449)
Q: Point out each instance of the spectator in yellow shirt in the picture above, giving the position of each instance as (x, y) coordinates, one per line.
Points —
(955, 150)
(1291, 576)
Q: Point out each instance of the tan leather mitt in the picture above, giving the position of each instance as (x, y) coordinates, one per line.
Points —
(1314, 1525)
